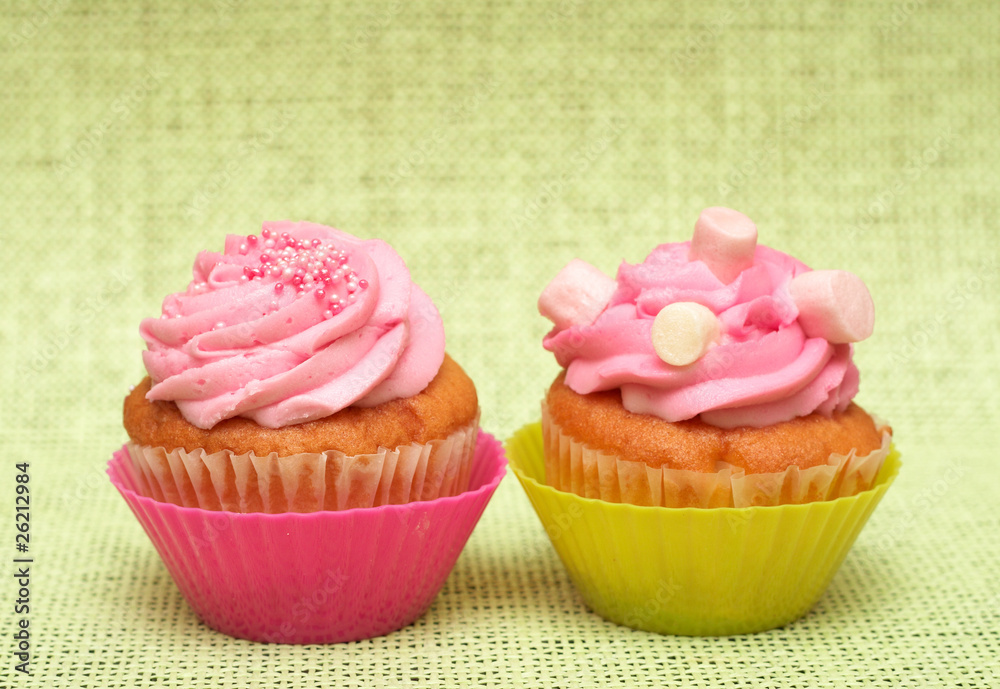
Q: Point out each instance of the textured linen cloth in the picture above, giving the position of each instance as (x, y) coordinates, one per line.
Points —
(490, 143)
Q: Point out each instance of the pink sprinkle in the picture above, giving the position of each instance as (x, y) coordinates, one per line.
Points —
(275, 271)
(265, 233)
(328, 314)
(248, 271)
(320, 294)
(363, 284)
(336, 308)
(315, 243)
(265, 258)
(278, 286)
(243, 248)
(252, 239)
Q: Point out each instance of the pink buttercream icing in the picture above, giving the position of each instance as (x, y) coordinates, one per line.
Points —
(762, 370)
(292, 326)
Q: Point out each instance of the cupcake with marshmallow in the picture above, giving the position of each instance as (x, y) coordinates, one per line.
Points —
(715, 376)
(717, 356)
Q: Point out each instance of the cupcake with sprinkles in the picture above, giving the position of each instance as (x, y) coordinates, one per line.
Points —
(300, 370)
(303, 454)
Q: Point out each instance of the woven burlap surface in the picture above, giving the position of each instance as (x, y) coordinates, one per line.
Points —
(490, 143)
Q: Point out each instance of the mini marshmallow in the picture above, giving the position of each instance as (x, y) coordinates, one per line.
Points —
(576, 295)
(724, 240)
(834, 305)
(683, 331)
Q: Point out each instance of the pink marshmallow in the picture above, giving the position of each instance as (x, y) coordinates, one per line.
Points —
(724, 240)
(576, 295)
(834, 305)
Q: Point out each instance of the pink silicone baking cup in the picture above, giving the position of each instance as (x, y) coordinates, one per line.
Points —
(317, 577)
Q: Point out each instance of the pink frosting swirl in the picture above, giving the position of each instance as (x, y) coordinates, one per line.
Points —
(292, 326)
(762, 370)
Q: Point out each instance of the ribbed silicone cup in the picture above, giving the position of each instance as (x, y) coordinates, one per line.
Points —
(695, 571)
(318, 577)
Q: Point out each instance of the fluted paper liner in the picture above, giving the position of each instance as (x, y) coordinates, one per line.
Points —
(570, 465)
(692, 570)
(306, 482)
(318, 577)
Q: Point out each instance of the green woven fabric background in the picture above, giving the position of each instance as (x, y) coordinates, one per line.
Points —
(490, 143)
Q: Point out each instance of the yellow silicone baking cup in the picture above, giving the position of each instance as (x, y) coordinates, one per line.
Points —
(695, 571)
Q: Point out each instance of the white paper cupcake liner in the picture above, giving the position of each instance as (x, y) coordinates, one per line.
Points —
(572, 466)
(306, 482)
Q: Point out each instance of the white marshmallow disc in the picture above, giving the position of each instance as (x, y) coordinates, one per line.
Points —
(683, 331)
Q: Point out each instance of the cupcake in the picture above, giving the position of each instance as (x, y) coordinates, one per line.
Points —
(704, 418)
(304, 455)
(300, 370)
